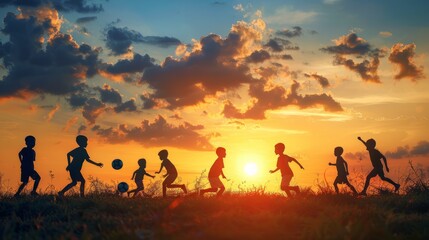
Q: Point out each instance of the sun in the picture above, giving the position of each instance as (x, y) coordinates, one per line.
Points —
(250, 169)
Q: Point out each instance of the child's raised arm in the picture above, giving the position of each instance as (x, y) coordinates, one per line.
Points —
(360, 139)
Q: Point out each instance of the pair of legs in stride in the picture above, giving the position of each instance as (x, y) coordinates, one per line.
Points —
(285, 186)
(168, 183)
(76, 176)
(338, 180)
(215, 184)
(380, 173)
(24, 179)
(140, 188)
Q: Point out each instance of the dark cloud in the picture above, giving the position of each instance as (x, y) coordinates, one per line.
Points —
(77, 100)
(278, 97)
(125, 68)
(158, 133)
(92, 109)
(81, 6)
(323, 81)
(128, 106)
(258, 56)
(295, 32)
(83, 20)
(148, 102)
(287, 57)
(109, 95)
(57, 66)
(213, 68)
(176, 116)
(402, 55)
(356, 156)
(279, 45)
(358, 47)
(119, 40)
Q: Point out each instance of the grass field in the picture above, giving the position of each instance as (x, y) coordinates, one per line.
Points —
(241, 216)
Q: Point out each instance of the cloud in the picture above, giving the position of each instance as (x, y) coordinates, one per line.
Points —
(77, 100)
(402, 55)
(323, 81)
(356, 156)
(40, 59)
(80, 6)
(258, 56)
(331, 1)
(119, 40)
(84, 20)
(296, 32)
(109, 95)
(92, 109)
(420, 149)
(70, 123)
(128, 106)
(215, 65)
(124, 69)
(358, 47)
(51, 113)
(385, 34)
(158, 133)
(278, 97)
(279, 45)
(287, 57)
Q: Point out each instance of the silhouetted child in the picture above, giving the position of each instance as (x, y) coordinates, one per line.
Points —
(171, 174)
(376, 157)
(74, 167)
(215, 172)
(283, 165)
(138, 176)
(342, 169)
(27, 156)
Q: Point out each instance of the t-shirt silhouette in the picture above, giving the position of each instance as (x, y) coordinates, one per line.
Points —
(375, 156)
(169, 167)
(216, 168)
(283, 164)
(28, 158)
(79, 155)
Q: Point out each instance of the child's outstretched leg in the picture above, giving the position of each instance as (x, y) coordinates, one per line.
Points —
(372, 174)
(221, 190)
(66, 188)
(21, 187)
(351, 187)
(336, 186)
(396, 185)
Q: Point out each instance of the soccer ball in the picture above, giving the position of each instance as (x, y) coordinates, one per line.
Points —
(122, 187)
(117, 164)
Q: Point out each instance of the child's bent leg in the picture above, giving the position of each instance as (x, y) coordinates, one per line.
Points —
(351, 187)
(66, 188)
(21, 187)
(36, 182)
(391, 182)
(372, 174)
(82, 188)
(336, 187)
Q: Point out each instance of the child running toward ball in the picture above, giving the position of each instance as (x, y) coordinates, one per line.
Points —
(376, 157)
(27, 156)
(171, 174)
(215, 172)
(342, 169)
(283, 165)
(74, 167)
(138, 176)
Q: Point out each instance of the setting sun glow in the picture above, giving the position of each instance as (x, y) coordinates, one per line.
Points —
(250, 169)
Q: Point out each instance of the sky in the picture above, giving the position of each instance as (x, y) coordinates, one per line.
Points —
(136, 77)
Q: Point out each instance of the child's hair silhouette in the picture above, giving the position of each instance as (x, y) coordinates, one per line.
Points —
(27, 156)
(74, 167)
(283, 165)
(376, 157)
(171, 174)
(138, 176)
(215, 172)
(342, 169)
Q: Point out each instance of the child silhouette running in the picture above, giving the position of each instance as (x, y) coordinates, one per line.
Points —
(74, 167)
(342, 169)
(215, 172)
(376, 157)
(283, 165)
(27, 156)
(138, 176)
(171, 174)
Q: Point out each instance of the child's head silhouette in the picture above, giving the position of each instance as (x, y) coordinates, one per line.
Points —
(142, 162)
(221, 152)
(82, 141)
(279, 148)
(163, 154)
(30, 141)
(370, 143)
(338, 151)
